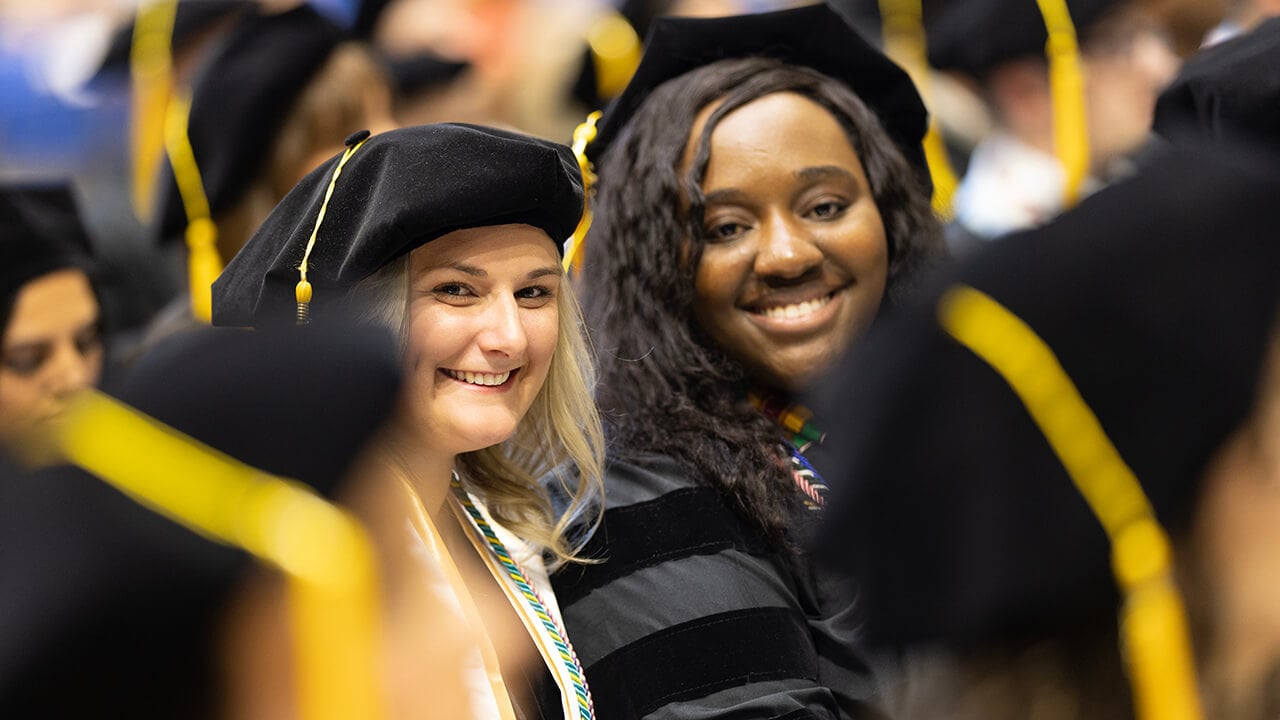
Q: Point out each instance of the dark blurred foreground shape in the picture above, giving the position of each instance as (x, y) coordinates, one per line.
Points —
(974, 549)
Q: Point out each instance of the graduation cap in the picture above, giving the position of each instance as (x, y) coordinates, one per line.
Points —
(815, 37)
(424, 71)
(1227, 94)
(1138, 322)
(112, 609)
(975, 36)
(383, 197)
(240, 100)
(40, 232)
(192, 18)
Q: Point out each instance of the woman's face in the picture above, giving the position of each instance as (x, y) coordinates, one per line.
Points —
(482, 328)
(796, 259)
(52, 348)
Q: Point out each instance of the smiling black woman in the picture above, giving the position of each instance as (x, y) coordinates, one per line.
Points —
(762, 196)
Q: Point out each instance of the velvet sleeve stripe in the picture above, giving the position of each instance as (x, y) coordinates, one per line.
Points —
(679, 524)
(700, 657)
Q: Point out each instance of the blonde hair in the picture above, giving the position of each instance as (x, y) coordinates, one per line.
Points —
(560, 437)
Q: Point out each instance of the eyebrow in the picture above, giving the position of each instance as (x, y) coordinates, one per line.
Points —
(733, 196)
(823, 172)
(474, 271)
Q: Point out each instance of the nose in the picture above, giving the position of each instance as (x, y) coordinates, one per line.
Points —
(786, 248)
(70, 370)
(503, 331)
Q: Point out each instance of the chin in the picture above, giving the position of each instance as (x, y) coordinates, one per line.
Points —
(479, 435)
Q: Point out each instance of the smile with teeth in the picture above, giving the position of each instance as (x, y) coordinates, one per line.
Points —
(788, 312)
(475, 378)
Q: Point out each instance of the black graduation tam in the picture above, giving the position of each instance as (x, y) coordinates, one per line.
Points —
(424, 71)
(1227, 94)
(110, 608)
(241, 98)
(975, 36)
(192, 18)
(40, 231)
(1158, 296)
(399, 190)
(814, 37)
(295, 402)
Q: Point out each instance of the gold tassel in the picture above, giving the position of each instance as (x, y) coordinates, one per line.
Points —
(1154, 629)
(150, 67)
(1066, 84)
(204, 263)
(904, 41)
(615, 50)
(582, 137)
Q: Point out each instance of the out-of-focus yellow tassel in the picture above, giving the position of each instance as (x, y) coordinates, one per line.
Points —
(904, 40)
(615, 49)
(1066, 84)
(582, 137)
(325, 554)
(1154, 630)
(150, 67)
(204, 263)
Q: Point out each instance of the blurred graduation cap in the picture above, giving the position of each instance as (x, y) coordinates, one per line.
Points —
(40, 232)
(613, 50)
(975, 36)
(1227, 94)
(383, 197)
(217, 133)
(111, 609)
(192, 18)
(421, 72)
(963, 511)
(814, 36)
(240, 99)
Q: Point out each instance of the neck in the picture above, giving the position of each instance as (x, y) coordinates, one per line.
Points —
(428, 472)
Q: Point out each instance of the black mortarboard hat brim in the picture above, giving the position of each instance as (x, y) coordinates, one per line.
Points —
(813, 36)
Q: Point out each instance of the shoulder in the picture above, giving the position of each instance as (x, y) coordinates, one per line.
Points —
(686, 604)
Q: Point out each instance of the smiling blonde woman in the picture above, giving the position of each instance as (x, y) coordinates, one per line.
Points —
(451, 235)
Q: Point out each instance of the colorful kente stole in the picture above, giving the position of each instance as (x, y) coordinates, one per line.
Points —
(801, 432)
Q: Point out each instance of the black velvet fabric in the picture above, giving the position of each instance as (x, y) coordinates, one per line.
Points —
(1158, 297)
(401, 189)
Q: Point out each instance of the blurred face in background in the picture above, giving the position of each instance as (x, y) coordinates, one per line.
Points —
(52, 347)
(1128, 59)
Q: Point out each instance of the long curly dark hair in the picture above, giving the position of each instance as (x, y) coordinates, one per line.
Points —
(665, 387)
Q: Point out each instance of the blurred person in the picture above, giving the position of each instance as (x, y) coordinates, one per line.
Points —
(1013, 179)
(762, 196)
(450, 235)
(1227, 95)
(1074, 428)
(50, 318)
(273, 94)
(112, 610)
